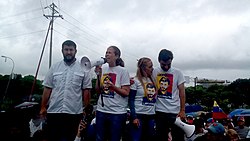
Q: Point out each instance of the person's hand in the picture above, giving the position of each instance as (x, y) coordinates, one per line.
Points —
(98, 70)
(81, 127)
(136, 122)
(110, 84)
(131, 80)
(182, 115)
(43, 113)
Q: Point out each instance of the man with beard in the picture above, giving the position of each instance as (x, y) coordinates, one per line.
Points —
(164, 83)
(66, 89)
(150, 93)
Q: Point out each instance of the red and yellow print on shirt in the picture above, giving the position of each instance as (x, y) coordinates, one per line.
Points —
(149, 94)
(105, 90)
(164, 84)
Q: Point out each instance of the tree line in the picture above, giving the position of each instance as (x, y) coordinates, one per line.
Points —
(229, 97)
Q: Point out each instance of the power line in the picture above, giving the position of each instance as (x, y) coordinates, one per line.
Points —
(21, 13)
(127, 54)
(42, 6)
(23, 34)
(84, 31)
(26, 20)
(78, 43)
(71, 33)
(89, 39)
(101, 37)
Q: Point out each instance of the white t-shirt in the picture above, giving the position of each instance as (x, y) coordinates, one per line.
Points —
(66, 83)
(144, 101)
(168, 100)
(113, 102)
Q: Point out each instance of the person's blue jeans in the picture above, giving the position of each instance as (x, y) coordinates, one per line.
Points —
(91, 133)
(146, 130)
(109, 126)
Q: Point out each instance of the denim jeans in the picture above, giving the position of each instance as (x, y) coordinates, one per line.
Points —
(146, 130)
(109, 126)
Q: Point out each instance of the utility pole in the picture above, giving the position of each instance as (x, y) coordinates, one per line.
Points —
(52, 17)
(54, 14)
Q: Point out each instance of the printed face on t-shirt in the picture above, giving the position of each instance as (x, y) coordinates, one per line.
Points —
(106, 80)
(150, 91)
(164, 82)
(164, 85)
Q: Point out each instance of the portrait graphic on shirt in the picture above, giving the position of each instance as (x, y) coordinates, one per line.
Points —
(149, 94)
(164, 85)
(105, 80)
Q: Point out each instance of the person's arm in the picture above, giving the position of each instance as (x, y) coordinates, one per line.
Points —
(86, 86)
(123, 91)
(131, 103)
(125, 84)
(98, 71)
(45, 98)
(86, 96)
(97, 84)
(81, 127)
(182, 100)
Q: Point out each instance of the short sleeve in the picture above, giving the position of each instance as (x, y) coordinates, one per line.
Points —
(125, 79)
(181, 78)
(87, 83)
(48, 80)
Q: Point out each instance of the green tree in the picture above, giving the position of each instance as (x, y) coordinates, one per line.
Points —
(18, 91)
(240, 92)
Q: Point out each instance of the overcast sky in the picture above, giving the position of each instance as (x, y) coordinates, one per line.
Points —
(209, 38)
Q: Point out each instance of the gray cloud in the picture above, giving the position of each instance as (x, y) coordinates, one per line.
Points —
(209, 38)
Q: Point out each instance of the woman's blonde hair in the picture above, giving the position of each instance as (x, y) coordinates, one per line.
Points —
(141, 65)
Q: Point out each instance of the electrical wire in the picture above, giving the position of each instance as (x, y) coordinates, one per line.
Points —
(42, 6)
(78, 43)
(90, 30)
(85, 37)
(101, 37)
(21, 13)
(84, 31)
(26, 20)
(23, 34)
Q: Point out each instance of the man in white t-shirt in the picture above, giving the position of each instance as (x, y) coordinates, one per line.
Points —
(66, 91)
(170, 101)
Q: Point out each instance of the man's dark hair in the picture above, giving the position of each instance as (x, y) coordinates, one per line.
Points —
(69, 43)
(165, 55)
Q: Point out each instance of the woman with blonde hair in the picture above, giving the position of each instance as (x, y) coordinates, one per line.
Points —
(142, 100)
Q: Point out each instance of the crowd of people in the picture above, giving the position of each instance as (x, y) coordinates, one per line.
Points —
(155, 97)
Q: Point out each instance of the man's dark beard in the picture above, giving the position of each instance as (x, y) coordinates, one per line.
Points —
(163, 68)
(68, 59)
